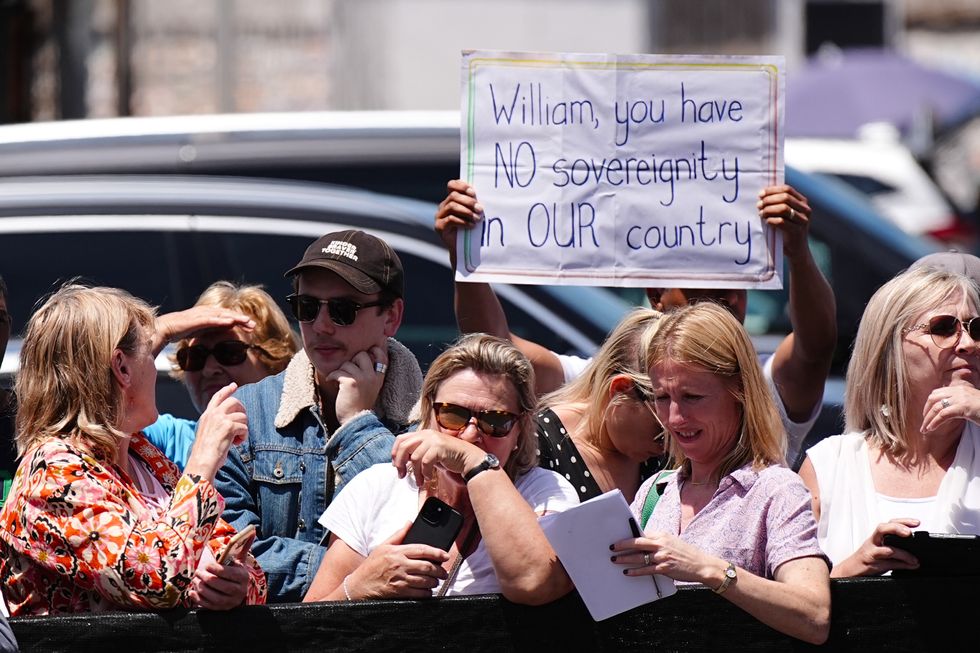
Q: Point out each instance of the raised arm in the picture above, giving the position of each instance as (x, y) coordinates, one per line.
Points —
(477, 308)
(802, 360)
(186, 324)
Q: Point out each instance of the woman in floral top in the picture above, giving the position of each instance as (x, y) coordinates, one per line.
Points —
(98, 519)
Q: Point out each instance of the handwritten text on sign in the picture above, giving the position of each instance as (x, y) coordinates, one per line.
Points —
(621, 170)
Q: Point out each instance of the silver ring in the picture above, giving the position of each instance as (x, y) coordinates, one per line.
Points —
(945, 402)
(646, 558)
(380, 367)
(792, 214)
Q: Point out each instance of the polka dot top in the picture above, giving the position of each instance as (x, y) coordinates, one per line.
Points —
(557, 452)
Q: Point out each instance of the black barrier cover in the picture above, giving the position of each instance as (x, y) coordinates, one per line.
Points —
(877, 614)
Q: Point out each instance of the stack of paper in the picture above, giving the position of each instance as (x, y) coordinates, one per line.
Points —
(581, 537)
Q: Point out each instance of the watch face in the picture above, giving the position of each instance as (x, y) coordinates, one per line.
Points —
(492, 461)
(730, 572)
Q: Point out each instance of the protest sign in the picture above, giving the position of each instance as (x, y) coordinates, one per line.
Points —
(629, 170)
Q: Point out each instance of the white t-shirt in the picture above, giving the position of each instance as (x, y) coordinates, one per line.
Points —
(376, 504)
(849, 503)
(574, 366)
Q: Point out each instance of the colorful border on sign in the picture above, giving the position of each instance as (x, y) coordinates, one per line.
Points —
(772, 152)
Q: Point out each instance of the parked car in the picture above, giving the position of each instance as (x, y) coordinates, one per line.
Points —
(167, 238)
(403, 153)
(881, 167)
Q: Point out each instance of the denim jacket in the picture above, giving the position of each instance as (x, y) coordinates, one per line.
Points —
(290, 468)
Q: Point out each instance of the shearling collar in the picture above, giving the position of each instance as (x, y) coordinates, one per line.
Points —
(403, 383)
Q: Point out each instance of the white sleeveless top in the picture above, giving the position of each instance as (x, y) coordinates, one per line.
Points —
(849, 503)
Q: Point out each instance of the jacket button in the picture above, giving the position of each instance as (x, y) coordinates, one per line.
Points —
(302, 467)
(301, 524)
(277, 472)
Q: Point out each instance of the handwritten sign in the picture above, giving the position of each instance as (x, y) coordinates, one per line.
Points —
(639, 170)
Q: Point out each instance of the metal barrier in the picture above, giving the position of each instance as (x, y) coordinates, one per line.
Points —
(878, 614)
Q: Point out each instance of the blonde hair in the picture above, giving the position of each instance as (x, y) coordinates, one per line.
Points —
(876, 400)
(623, 353)
(485, 354)
(276, 341)
(707, 336)
(65, 386)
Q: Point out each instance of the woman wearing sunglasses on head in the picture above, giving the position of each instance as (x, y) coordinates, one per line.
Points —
(910, 459)
(233, 334)
(476, 451)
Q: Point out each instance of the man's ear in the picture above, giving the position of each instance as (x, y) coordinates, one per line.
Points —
(120, 369)
(393, 317)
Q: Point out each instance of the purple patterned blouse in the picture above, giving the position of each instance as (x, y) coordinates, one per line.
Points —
(757, 520)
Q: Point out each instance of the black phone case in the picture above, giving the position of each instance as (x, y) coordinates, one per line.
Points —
(939, 554)
(437, 524)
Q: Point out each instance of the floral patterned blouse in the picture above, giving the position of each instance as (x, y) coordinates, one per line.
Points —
(76, 535)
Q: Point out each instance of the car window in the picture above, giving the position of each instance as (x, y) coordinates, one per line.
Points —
(171, 268)
(865, 184)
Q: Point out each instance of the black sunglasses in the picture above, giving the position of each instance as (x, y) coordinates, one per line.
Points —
(947, 329)
(495, 423)
(342, 312)
(228, 353)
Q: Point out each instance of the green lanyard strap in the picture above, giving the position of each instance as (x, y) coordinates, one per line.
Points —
(653, 496)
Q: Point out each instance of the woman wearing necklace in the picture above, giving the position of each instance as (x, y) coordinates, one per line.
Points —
(476, 451)
(599, 430)
(733, 518)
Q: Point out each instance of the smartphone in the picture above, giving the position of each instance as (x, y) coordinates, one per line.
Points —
(939, 554)
(437, 524)
(239, 545)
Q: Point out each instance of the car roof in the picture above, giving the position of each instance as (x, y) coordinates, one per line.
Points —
(208, 143)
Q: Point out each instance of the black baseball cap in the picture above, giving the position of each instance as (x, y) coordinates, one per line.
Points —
(366, 262)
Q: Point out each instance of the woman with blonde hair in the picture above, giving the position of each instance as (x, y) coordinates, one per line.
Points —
(209, 356)
(599, 430)
(733, 518)
(910, 456)
(97, 518)
(476, 451)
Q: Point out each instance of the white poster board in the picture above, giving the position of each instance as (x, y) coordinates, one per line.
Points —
(625, 170)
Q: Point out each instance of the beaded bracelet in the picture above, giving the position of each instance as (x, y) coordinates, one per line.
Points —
(344, 585)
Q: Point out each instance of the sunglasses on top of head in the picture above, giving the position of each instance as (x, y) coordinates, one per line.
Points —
(227, 353)
(947, 329)
(453, 417)
(342, 311)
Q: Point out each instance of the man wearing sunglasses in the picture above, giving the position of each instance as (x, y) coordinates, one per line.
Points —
(330, 414)
(797, 369)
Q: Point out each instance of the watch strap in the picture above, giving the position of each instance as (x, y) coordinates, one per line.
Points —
(730, 577)
(490, 462)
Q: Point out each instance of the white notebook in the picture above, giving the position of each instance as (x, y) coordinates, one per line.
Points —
(581, 537)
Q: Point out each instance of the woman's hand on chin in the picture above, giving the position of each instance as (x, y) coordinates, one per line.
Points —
(955, 402)
(395, 570)
(428, 450)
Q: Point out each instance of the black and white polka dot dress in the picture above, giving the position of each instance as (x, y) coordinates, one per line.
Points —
(558, 453)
